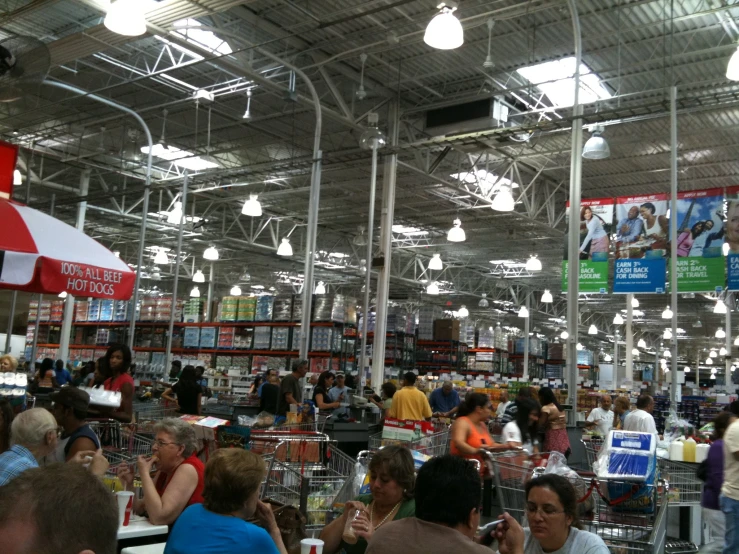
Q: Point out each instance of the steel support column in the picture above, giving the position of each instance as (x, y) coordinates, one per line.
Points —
(673, 243)
(178, 259)
(728, 383)
(629, 376)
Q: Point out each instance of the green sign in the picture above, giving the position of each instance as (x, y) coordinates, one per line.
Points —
(593, 276)
(700, 274)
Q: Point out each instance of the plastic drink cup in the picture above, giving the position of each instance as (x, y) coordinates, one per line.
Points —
(349, 535)
(125, 507)
(311, 546)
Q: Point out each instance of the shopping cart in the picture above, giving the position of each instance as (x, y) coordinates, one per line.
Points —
(147, 415)
(511, 471)
(592, 444)
(317, 425)
(685, 487)
(435, 444)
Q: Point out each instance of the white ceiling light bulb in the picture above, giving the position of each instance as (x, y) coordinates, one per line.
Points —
(709, 361)
(210, 254)
(667, 314)
(432, 289)
(236, 290)
(667, 335)
(195, 292)
(503, 201)
(635, 351)
(463, 312)
(712, 354)
(618, 320)
(252, 207)
(667, 353)
(720, 333)
(546, 298)
(175, 216)
(483, 303)
(533, 263)
(579, 346)
(161, 258)
(592, 330)
(17, 177)
(596, 148)
(435, 263)
(720, 307)
(63, 294)
(198, 277)
(285, 249)
(732, 69)
(456, 233)
(444, 31)
(565, 335)
(126, 17)
(722, 352)
(642, 343)
(607, 358)
(686, 369)
(320, 288)
(523, 312)
(634, 302)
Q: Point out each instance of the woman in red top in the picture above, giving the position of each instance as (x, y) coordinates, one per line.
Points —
(118, 360)
(179, 478)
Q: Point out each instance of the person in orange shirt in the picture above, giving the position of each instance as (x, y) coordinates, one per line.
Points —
(409, 402)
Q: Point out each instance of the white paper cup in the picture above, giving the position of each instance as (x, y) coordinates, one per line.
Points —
(311, 546)
(125, 504)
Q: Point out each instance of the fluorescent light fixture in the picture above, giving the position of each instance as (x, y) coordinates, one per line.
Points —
(195, 292)
(503, 201)
(732, 69)
(435, 263)
(198, 277)
(720, 307)
(667, 335)
(667, 314)
(210, 254)
(175, 216)
(547, 298)
(247, 113)
(181, 158)
(252, 207)
(63, 294)
(523, 312)
(564, 335)
(720, 333)
(642, 343)
(712, 354)
(456, 233)
(126, 17)
(618, 320)
(432, 289)
(17, 177)
(722, 352)
(444, 31)
(635, 351)
(592, 330)
(161, 257)
(483, 303)
(579, 346)
(533, 263)
(556, 79)
(709, 361)
(285, 249)
(236, 290)
(463, 312)
(320, 288)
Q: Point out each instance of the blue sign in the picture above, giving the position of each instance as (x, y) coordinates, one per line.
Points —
(732, 261)
(639, 275)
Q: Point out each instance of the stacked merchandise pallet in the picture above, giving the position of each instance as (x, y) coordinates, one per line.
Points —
(426, 317)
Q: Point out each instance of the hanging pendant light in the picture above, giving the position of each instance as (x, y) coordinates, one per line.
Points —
(432, 289)
(618, 320)
(592, 330)
(175, 216)
(564, 335)
(236, 290)
(634, 302)
(720, 307)
(483, 303)
(736, 341)
(579, 346)
(17, 177)
(444, 31)
(320, 288)
(210, 254)
(63, 294)
(720, 333)
(607, 358)
(547, 298)
(596, 148)
(252, 207)
(195, 292)
(198, 277)
(722, 352)
(634, 351)
(463, 312)
(667, 353)
(732, 69)
(709, 361)
(161, 258)
(533, 263)
(126, 17)
(667, 335)
(667, 314)
(456, 233)
(523, 312)
(247, 113)
(642, 343)
(503, 201)
(686, 369)
(435, 263)
(712, 354)
(285, 249)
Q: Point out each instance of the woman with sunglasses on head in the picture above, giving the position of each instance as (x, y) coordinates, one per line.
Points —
(554, 528)
(179, 478)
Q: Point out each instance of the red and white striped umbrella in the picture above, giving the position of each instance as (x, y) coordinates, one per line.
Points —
(39, 253)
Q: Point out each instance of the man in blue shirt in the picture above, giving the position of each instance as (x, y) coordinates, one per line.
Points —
(33, 435)
(630, 227)
(444, 401)
(62, 374)
(340, 393)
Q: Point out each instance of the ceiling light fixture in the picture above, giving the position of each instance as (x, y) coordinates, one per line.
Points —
(285, 249)
(642, 343)
(444, 31)
(579, 346)
(63, 294)
(533, 263)
(607, 358)
(435, 263)
(17, 177)
(720, 307)
(488, 63)
(565, 335)
(320, 288)
(161, 258)
(618, 320)
(547, 298)
(712, 354)
(667, 353)
(126, 17)
(432, 289)
(523, 312)
(667, 335)
(592, 330)
(722, 352)
(175, 216)
(483, 303)
(236, 290)
(596, 148)
(456, 233)
(667, 314)
(252, 207)
(360, 239)
(732, 69)
(635, 351)
(198, 277)
(503, 201)
(736, 341)
(709, 361)
(720, 333)
(463, 312)
(634, 302)
(210, 254)
(686, 369)
(195, 292)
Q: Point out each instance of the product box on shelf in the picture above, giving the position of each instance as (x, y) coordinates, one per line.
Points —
(107, 307)
(191, 337)
(56, 311)
(247, 308)
(446, 329)
(80, 311)
(426, 317)
(264, 307)
(208, 337)
(282, 309)
(262, 337)
(280, 338)
(229, 308)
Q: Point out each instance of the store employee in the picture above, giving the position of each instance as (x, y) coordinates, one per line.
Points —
(444, 401)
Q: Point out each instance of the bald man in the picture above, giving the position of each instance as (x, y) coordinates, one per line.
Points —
(602, 417)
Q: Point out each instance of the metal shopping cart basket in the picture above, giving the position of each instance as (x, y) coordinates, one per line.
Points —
(511, 472)
(592, 445)
(149, 414)
(435, 444)
(684, 486)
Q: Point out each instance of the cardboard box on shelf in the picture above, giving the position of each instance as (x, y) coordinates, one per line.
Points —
(446, 329)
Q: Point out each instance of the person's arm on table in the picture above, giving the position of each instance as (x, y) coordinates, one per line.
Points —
(164, 510)
(331, 534)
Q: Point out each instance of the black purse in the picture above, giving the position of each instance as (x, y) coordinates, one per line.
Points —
(702, 471)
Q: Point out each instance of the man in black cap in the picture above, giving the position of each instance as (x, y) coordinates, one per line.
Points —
(70, 412)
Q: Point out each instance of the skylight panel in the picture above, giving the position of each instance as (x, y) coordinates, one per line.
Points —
(556, 80)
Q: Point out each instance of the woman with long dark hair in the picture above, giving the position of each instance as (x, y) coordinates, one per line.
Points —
(320, 392)
(521, 432)
(45, 377)
(469, 432)
(189, 392)
(117, 361)
(553, 423)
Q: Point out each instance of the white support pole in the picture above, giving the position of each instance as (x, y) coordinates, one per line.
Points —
(573, 241)
(629, 376)
(11, 317)
(386, 242)
(673, 243)
(40, 299)
(526, 331)
(209, 305)
(727, 381)
(616, 338)
(178, 260)
(69, 301)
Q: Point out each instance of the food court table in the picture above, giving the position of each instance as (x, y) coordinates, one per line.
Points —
(140, 527)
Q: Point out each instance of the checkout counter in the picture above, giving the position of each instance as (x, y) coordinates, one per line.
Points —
(352, 433)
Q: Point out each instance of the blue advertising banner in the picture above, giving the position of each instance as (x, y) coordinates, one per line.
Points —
(733, 262)
(640, 275)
